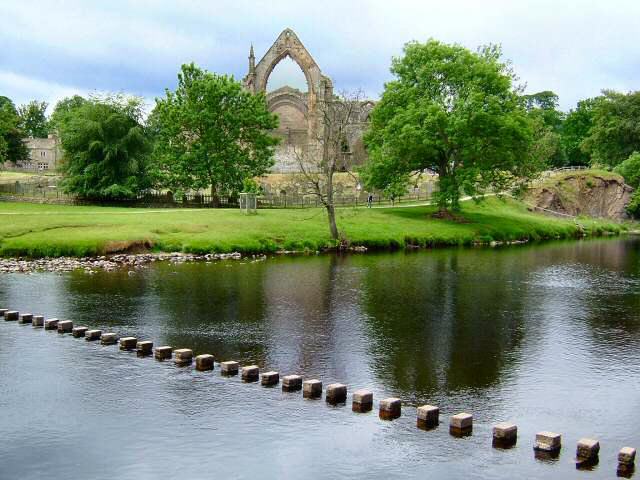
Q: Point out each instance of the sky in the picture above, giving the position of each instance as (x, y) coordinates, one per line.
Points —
(52, 49)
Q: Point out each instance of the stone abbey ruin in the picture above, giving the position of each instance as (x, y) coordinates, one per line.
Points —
(300, 113)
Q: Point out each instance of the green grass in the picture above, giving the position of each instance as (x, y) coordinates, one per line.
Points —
(55, 230)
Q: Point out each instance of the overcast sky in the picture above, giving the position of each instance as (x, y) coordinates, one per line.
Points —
(51, 49)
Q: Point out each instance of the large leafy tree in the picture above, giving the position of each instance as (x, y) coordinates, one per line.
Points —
(615, 133)
(105, 149)
(211, 133)
(454, 112)
(63, 111)
(12, 147)
(33, 119)
(547, 122)
(575, 129)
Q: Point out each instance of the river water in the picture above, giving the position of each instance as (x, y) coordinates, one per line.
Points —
(546, 336)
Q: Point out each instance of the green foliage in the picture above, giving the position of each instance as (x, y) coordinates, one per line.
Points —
(615, 133)
(575, 129)
(12, 147)
(547, 122)
(630, 170)
(33, 119)
(63, 111)
(249, 185)
(106, 149)
(633, 208)
(456, 113)
(211, 133)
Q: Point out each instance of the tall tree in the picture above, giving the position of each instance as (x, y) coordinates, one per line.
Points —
(106, 149)
(12, 147)
(547, 122)
(615, 133)
(63, 110)
(211, 133)
(318, 162)
(33, 119)
(575, 129)
(454, 112)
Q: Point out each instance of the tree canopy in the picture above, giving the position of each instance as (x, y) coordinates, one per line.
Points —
(106, 149)
(12, 147)
(63, 110)
(33, 119)
(211, 133)
(454, 112)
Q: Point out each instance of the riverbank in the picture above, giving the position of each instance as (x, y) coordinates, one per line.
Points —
(29, 230)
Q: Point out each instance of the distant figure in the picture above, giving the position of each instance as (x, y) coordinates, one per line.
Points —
(369, 200)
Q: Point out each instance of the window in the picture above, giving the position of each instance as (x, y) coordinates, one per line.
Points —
(43, 154)
(43, 166)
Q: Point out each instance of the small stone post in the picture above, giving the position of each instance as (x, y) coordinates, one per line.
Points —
(3, 311)
(183, 356)
(311, 389)
(37, 321)
(51, 324)
(548, 445)
(128, 343)
(144, 349)
(505, 435)
(65, 326)
(229, 368)
(79, 332)
(587, 452)
(461, 424)
(336, 393)
(163, 353)
(108, 338)
(204, 362)
(291, 383)
(390, 408)
(626, 462)
(250, 373)
(428, 417)
(11, 315)
(26, 318)
(362, 401)
(270, 379)
(91, 335)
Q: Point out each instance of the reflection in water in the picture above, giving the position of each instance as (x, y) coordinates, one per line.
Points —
(544, 334)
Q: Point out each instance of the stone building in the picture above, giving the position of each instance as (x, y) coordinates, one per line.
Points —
(300, 113)
(45, 154)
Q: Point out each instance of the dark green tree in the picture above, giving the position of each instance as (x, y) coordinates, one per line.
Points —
(12, 147)
(63, 110)
(211, 134)
(630, 170)
(615, 133)
(547, 122)
(105, 149)
(454, 112)
(575, 129)
(33, 119)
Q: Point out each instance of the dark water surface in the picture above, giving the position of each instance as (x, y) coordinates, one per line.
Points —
(545, 336)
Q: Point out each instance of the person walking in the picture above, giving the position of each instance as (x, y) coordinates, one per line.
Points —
(369, 200)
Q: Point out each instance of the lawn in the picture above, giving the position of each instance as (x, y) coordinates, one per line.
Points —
(55, 230)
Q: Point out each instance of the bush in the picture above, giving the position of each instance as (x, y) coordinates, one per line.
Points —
(630, 170)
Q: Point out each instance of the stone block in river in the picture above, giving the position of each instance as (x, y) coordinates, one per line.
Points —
(128, 343)
(25, 318)
(229, 368)
(548, 442)
(390, 408)
(204, 362)
(269, 379)
(627, 456)
(428, 417)
(163, 353)
(37, 321)
(336, 393)
(587, 448)
(3, 311)
(505, 435)
(79, 332)
(312, 389)
(92, 335)
(65, 326)
(461, 424)
(362, 401)
(183, 356)
(291, 383)
(109, 338)
(250, 373)
(144, 348)
(51, 324)
(11, 315)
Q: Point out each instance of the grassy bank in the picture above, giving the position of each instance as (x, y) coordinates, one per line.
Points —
(55, 230)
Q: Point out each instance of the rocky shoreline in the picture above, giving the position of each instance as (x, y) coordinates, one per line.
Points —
(109, 263)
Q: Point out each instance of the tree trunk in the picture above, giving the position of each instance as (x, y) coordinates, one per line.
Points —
(215, 199)
(333, 228)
